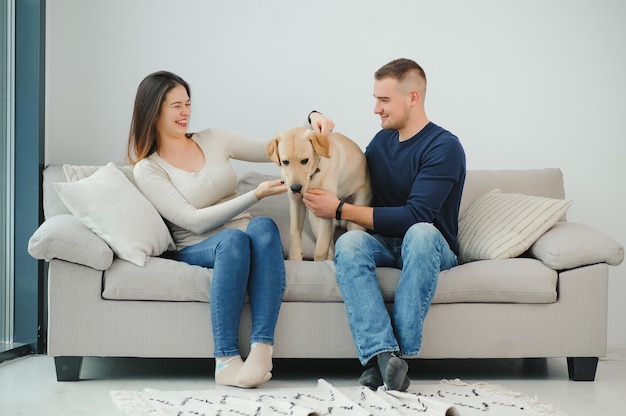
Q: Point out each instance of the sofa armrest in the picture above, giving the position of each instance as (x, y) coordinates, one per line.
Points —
(65, 237)
(568, 245)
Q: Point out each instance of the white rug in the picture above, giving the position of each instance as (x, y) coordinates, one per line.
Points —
(449, 398)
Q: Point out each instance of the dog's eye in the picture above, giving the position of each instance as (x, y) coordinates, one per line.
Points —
(304, 162)
(285, 163)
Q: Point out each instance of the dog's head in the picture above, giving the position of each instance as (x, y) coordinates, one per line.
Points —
(298, 153)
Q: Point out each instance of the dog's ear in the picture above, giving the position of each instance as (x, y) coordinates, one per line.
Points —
(272, 150)
(321, 144)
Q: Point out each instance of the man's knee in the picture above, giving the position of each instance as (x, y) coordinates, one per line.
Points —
(350, 242)
(424, 231)
(422, 237)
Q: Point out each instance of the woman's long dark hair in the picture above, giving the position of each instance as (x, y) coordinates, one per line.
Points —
(151, 93)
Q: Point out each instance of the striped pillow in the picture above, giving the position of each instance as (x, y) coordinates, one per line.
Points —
(502, 226)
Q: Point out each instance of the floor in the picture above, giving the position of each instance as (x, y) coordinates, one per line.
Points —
(28, 385)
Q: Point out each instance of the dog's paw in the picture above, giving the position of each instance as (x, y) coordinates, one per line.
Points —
(293, 256)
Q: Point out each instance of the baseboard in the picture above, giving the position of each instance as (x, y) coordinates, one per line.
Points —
(13, 350)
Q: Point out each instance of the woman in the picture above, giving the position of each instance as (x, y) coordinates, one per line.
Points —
(189, 179)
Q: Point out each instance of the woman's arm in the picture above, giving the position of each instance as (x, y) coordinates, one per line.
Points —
(156, 186)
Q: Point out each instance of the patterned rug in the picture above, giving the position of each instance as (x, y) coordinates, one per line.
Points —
(449, 398)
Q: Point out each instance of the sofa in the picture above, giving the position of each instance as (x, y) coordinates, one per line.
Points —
(546, 298)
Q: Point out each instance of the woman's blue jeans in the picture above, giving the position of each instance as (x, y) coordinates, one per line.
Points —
(421, 254)
(243, 262)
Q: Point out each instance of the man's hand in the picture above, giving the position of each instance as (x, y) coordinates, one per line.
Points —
(321, 123)
(321, 203)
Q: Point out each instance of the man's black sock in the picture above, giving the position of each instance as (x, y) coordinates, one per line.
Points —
(371, 377)
(394, 371)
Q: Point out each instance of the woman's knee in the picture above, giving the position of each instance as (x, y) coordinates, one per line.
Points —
(234, 240)
(263, 230)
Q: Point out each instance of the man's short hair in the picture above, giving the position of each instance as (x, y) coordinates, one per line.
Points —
(399, 69)
(406, 72)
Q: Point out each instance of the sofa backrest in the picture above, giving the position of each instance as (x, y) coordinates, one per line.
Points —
(546, 182)
(540, 182)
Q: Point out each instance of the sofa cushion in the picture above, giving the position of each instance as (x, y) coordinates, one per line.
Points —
(113, 208)
(65, 237)
(501, 225)
(160, 279)
(568, 245)
(519, 280)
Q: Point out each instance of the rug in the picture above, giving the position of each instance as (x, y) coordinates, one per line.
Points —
(448, 398)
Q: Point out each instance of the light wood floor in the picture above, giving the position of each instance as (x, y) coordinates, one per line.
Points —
(28, 385)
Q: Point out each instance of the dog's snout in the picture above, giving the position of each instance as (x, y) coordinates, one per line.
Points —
(296, 187)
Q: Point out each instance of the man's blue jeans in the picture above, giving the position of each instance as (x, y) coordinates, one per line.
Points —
(421, 254)
(252, 262)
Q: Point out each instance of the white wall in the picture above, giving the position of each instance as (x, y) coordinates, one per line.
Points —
(524, 84)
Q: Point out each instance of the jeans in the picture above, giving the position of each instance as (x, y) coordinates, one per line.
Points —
(252, 262)
(421, 254)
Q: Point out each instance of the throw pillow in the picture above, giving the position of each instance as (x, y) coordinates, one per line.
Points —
(107, 203)
(568, 245)
(65, 237)
(501, 226)
(75, 173)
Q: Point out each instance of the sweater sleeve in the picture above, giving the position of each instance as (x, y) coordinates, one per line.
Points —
(243, 147)
(155, 184)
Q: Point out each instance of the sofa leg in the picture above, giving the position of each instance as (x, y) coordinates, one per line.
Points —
(68, 368)
(582, 368)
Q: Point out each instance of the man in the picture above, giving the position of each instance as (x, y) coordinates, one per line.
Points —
(417, 170)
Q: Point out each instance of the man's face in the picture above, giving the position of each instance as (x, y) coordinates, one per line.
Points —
(392, 104)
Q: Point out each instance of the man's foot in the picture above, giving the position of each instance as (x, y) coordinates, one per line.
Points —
(371, 378)
(394, 371)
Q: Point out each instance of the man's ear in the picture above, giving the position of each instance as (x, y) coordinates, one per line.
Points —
(321, 144)
(272, 150)
(414, 97)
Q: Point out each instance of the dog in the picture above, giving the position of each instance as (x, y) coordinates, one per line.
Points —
(309, 159)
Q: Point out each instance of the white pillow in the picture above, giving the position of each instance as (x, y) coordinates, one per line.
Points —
(501, 226)
(108, 204)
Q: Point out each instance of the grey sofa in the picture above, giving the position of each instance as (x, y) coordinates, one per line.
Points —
(549, 302)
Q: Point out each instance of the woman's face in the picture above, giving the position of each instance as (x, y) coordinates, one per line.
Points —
(175, 112)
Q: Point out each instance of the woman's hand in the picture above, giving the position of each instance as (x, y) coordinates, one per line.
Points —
(269, 188)
(321, 123)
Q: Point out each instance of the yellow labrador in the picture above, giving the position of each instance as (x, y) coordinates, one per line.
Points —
(308, 159)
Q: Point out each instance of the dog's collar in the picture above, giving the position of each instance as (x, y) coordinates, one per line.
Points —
(313, 174)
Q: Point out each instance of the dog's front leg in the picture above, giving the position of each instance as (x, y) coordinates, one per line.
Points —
(326, 228)
(297, 213)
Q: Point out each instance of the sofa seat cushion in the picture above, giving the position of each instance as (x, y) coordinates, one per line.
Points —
(159, 279)
(518, 280)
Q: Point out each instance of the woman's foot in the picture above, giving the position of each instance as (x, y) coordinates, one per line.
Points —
(226, 370)
(256, 370)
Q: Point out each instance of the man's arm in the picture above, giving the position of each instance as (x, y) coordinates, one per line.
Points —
(320, 123)
(324, 204)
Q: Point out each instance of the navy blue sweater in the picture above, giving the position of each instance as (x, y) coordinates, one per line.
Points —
(418, 180)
